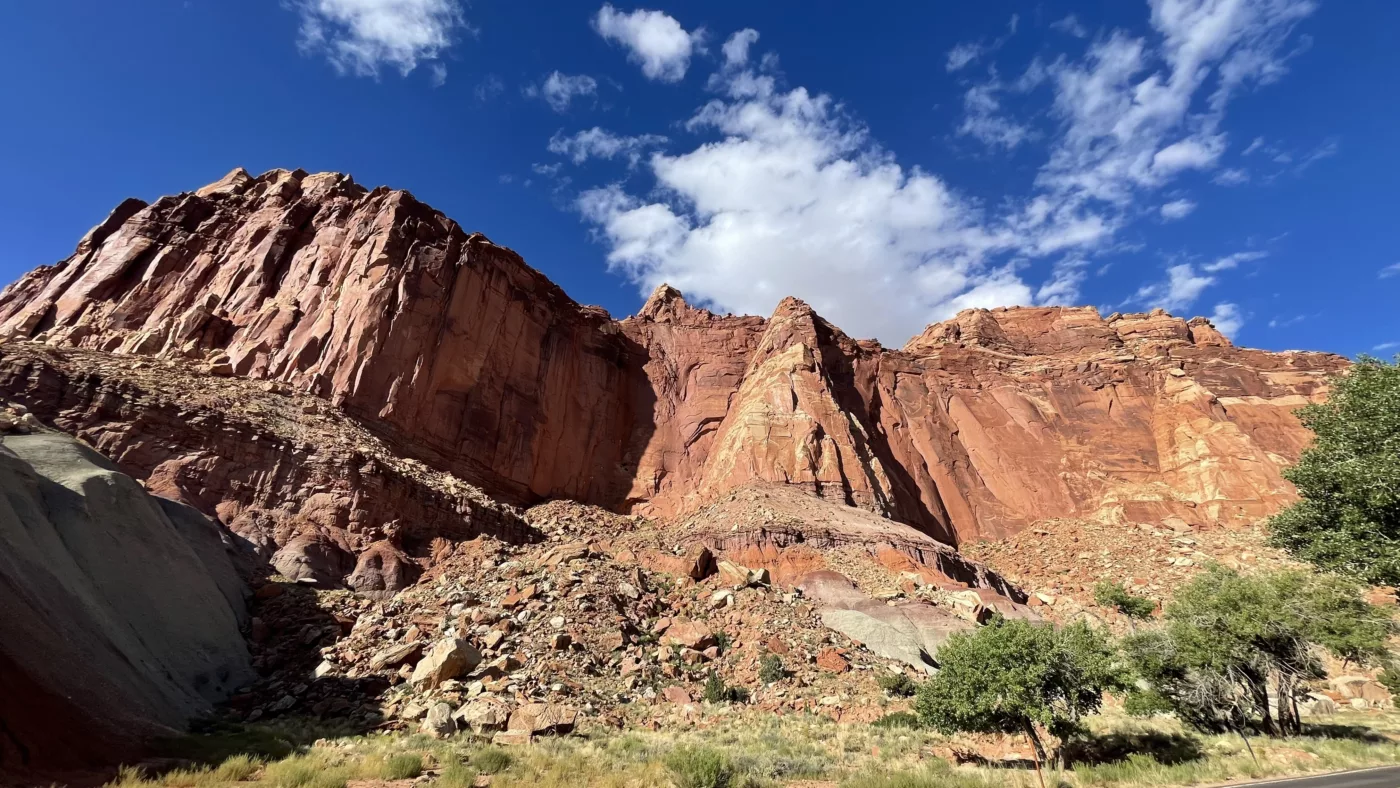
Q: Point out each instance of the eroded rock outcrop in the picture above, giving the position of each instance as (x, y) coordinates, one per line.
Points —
(458, 355)
(120, 611)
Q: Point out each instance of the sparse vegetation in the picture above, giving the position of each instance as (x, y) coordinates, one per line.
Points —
(491, 760)
(699, 767)
(717, 691)
(898, 685)
(770, 669)
(755, 749)
(1114, 595)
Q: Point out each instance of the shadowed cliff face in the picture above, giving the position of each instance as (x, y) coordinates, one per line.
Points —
(463, 357)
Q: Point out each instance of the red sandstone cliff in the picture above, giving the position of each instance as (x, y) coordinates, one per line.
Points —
(457, 354)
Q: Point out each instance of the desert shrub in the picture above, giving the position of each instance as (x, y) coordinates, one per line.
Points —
(898, 719)
(699, 767)
(898, 685)
(770, 669)
(717, 691)
(402, 766)
(491, 760)
(1114, 595)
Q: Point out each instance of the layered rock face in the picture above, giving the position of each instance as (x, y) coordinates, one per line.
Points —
(459, 355)
(120, 613)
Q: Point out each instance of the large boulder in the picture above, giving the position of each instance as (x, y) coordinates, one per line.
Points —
(120, 614)
(315, 559)
(447, 659)
(909, 632)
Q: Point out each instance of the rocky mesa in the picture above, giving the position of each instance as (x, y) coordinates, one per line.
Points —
(460, 356)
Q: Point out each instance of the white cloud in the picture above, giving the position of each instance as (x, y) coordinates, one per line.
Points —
(559, 90)
(1384, 346)
(960, 56)
(1231, 177)
(1062, 289)
(1130, 126)
(794, 199)
(1070, 25)
(1227, 319)
(1285, 322)
(1233, 260)
(654, 40)
(602, 144)
(1326, 150)
(1177, 292)
(736, 49)
(784, 193)
(983, 119)
(1177, 209)
(1254, 146)
(1391, 270)
(488, 88)
(361, 36)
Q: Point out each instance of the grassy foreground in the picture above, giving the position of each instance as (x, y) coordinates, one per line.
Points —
(747, 749)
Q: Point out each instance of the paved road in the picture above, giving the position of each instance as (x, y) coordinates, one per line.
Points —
(1388, 777)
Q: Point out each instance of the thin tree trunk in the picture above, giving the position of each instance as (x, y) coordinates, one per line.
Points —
(1247, 745)
(1036, 752)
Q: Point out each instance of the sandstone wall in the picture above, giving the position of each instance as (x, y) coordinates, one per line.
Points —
(461, 356)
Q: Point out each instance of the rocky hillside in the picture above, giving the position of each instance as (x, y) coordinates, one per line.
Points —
(458, 355)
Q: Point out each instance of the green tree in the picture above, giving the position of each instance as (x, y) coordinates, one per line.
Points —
(1114, 595)
(1348, 520)
(1230, 641)
(1016, 677)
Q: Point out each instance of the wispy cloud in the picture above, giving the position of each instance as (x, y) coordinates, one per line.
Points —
(962, 55)
(1384, 346)
(1391, 270)
(1233, 176)
(1233, 260)
(360, 37)
(1177, 292)
(1070, 25)
(598, 143)
(1227, 319)
(1177, 209)
(559, 90)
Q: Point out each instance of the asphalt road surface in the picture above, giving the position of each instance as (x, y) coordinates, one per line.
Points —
(1388, 777)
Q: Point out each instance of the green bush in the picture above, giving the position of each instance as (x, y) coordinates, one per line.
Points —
(898, 685)
(770, 669)
(491, 760)
(716, 691)
(699, 767)
(1114, 595)
(1348, 520)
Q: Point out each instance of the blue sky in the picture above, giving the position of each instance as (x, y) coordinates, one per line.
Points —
(889, 163)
